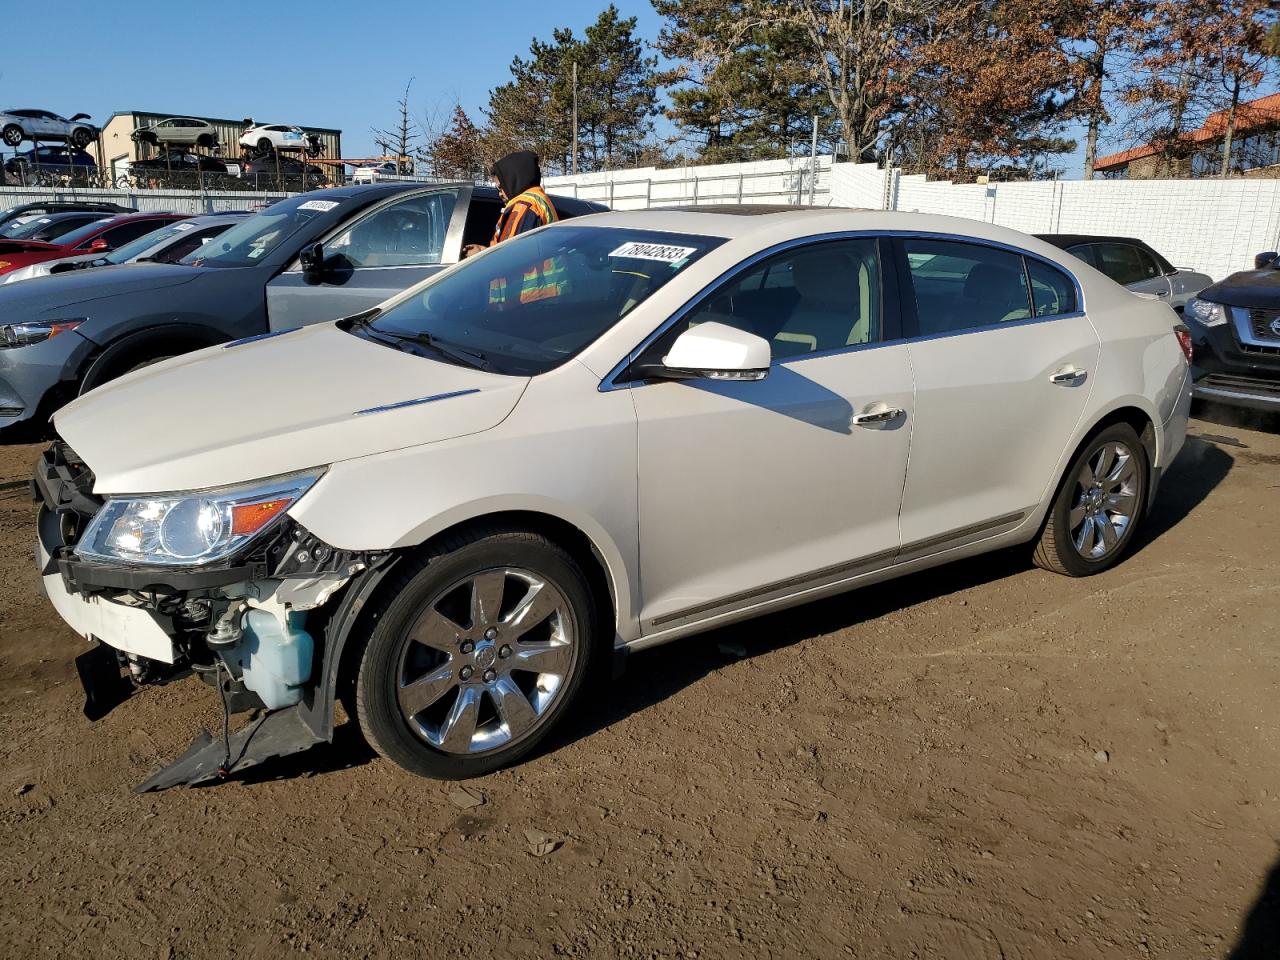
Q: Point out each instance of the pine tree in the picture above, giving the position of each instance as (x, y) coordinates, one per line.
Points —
(459, 151)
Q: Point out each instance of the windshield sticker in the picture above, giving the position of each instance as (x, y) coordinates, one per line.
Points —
(653, 251)
(256, 252)
(182, 227)
(324, 206)
(44, 220)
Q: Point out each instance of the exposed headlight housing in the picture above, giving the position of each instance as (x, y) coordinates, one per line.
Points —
(190, 529)
(36, 331)
(1206, 312)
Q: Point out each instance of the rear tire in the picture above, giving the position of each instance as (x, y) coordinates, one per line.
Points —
(476, 653)
(81, 138)
(264, 147)
(1099, 505)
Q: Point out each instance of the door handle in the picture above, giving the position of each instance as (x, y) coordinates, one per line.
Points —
(1069, 375)
(883, 415)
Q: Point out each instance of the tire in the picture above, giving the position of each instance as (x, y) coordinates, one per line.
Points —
(204, 140)
(81, 138)
(449, 705)
(12, 135)
(1099, 505)
(264, 146)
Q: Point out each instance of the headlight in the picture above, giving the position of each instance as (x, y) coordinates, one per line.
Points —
(189, 529)
(22, 334)
(1206, 312)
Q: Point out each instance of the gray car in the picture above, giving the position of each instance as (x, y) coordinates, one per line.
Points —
(1133, 264)
(178, 132)
(310, 258)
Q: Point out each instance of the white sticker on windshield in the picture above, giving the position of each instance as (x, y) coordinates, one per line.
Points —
(324, 206)
(44, 220)
(653, 251)
(183, 227)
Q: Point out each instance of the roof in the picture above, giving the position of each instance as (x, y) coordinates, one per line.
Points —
(1263, 112)
(239, 122)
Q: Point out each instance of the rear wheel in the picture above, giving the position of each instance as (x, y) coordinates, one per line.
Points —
(475, 655)
(264, 146)
(81, 138)
(1099, 505)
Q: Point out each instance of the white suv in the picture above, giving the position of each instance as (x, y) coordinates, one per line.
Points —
(274, 136)
(599, 436)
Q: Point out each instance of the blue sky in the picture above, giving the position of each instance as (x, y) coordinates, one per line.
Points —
(318, 63)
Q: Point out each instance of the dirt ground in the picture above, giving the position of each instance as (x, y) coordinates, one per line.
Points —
(981, 761)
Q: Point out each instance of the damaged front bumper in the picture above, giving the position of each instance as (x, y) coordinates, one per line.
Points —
(264, 628)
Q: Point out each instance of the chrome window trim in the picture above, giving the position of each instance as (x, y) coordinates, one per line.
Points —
(610, 381)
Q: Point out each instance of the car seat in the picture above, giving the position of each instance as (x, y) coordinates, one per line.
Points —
(992, 294)
(831, 309)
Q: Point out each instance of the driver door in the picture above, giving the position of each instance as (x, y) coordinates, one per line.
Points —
(753, 490)
(382, 252)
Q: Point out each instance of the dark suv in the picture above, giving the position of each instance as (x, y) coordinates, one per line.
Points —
(1235, 336)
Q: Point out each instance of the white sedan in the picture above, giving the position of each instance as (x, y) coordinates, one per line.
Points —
(603, 435)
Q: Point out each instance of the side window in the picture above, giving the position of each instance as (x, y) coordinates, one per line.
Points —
(809, 300)
(1052, 291)
(1121, 263)
(122, 234)
(408, 233)
(1085, 253)
(1150, 268)
(482, 217)
(959, 286)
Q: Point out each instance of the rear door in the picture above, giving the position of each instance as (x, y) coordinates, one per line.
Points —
(383, 251)
(1004, 361)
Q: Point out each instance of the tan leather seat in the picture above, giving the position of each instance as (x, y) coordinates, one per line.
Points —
(830, 303)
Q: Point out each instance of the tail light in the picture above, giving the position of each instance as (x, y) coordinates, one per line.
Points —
(1184, 341)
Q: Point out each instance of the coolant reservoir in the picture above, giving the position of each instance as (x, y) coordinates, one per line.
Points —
(275, 660)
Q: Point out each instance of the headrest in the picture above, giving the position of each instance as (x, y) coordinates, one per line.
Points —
(991, 283)
(826, 276)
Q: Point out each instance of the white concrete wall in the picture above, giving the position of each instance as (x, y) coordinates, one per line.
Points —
(1213, 226)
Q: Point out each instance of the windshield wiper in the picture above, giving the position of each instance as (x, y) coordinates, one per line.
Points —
(459, 355)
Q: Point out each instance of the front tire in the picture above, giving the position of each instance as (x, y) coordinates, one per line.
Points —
(1099, 505)
(476, 653)
(12, 135)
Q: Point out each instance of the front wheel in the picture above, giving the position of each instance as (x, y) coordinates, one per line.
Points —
(1098, 507)
(12, 135)
(475, 655)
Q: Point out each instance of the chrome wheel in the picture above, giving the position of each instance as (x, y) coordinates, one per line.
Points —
(1106, 500)
(483, 664)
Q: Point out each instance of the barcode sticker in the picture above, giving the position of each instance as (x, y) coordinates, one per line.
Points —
(653, 251)
(324, 206)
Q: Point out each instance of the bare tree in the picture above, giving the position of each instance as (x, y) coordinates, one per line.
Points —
(402, 140)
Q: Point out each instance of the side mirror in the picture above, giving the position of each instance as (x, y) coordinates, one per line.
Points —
(715, 351)
(1264, 260)
(99, 245)
(312, 260)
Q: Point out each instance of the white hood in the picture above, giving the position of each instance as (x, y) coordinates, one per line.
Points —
(240, 412)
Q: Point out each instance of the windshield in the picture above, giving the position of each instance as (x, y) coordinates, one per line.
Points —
(48, 227)
(136, 248)
(535, 301)
(248, 242)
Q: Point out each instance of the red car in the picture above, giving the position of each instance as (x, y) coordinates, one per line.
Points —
(100, 236)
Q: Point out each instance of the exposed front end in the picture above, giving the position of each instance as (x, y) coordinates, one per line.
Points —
(222, 584)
